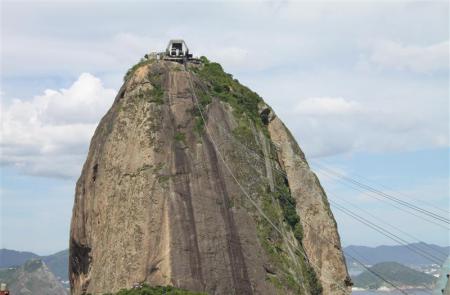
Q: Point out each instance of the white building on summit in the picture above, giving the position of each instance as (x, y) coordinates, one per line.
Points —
(176, 50)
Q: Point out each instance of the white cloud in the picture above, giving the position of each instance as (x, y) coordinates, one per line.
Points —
(245, 37)
(420, 59)
(283, 50)
(232, 56)
(49, 134)
(326, 126)
(42, 55)
(326, 106)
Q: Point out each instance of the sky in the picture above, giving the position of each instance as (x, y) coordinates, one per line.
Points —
(363, 86)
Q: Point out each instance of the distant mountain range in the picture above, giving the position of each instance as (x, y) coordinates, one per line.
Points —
(32, 277)
(57, 263)
(394, 272)
(12, 257)
(400, 254)
(377, 256)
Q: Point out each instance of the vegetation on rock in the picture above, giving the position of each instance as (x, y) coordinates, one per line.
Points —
(158, 290)
(157, 93)
(131, 70)
(279, 206)
(222, 85)
(180, 136)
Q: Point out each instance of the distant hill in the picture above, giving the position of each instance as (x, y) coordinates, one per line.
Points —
(57, 263)
(400, 254)
(11, 257)
(33, 277)
(394, 272)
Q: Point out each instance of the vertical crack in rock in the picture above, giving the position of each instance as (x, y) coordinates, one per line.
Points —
(79, 262)
(237, 261)
(80, 258)
(183, 208)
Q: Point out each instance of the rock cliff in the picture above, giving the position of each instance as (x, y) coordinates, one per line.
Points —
(226, 207)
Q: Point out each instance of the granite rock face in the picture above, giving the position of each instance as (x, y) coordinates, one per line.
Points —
(226, 207)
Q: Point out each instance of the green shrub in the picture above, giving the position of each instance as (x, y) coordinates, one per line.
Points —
(223, 86)
(180, 136)
(199, 125)
(314, 284)
(204, 59)
(287, 203)
(204, 99)
(244, 134)
(157, 94)
(131, 70)
(298, 232)
(158, 290)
